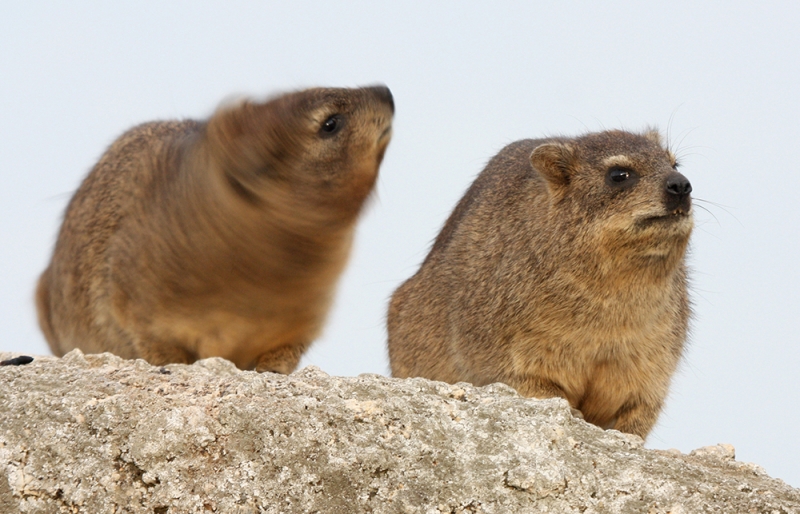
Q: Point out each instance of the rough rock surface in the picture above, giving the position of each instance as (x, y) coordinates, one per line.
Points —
(100, 434)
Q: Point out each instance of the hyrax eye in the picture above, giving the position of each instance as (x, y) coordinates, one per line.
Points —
(619, 176)
(332, 125)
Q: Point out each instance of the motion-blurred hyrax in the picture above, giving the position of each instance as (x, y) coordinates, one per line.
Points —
(225, 237)
(561, 272)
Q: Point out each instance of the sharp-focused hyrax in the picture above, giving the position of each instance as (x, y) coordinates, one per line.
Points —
(225, 237)
(561, 273)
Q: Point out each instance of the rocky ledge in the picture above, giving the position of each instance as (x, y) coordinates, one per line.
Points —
(96, 433)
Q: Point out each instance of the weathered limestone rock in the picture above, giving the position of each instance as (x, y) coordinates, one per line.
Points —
(99, 434)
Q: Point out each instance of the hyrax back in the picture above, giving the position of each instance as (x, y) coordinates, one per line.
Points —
(223, 237)
(561, 273)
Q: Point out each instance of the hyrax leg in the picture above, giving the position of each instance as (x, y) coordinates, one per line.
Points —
(282, 360)
(161, 353)
(536, 387)
(637, 417)
(542, 388)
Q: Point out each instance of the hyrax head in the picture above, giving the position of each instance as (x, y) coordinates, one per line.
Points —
(620, 189)
(325, 144)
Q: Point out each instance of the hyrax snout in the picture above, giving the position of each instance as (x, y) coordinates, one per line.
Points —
(223, 237)
(678, 188)
(561, 272)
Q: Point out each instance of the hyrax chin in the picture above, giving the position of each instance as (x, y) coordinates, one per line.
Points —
(562, 273)
(225, 237)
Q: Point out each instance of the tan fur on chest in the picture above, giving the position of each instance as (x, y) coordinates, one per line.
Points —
(559, 273)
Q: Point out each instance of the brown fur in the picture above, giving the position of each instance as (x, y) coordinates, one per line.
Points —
(222, 238)
(554, 280)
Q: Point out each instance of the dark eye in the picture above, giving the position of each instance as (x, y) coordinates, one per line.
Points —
(619, 175)
(331, 126)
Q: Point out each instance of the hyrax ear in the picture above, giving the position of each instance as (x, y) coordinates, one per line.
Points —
(228, 124)
(555, 162)
(654, 136)
(231, 138)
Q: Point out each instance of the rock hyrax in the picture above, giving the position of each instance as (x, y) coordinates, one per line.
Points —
(225, 237)
(561, 272)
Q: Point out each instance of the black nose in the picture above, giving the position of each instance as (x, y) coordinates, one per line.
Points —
(678, 185)
(384, 95)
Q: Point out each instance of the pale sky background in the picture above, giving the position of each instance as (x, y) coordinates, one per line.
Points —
(722, 78)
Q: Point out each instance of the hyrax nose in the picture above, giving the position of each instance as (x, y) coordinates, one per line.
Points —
(677, 199)
(383, 94)
(678, 185)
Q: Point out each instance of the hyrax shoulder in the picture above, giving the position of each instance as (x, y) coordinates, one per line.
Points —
(561, 272)
(222, 237)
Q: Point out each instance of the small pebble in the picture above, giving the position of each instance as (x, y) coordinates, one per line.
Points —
(17, 361)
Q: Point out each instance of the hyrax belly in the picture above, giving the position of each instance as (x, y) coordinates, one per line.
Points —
(561, 273)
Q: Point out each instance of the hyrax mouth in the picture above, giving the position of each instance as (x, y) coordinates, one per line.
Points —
(677, 216)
